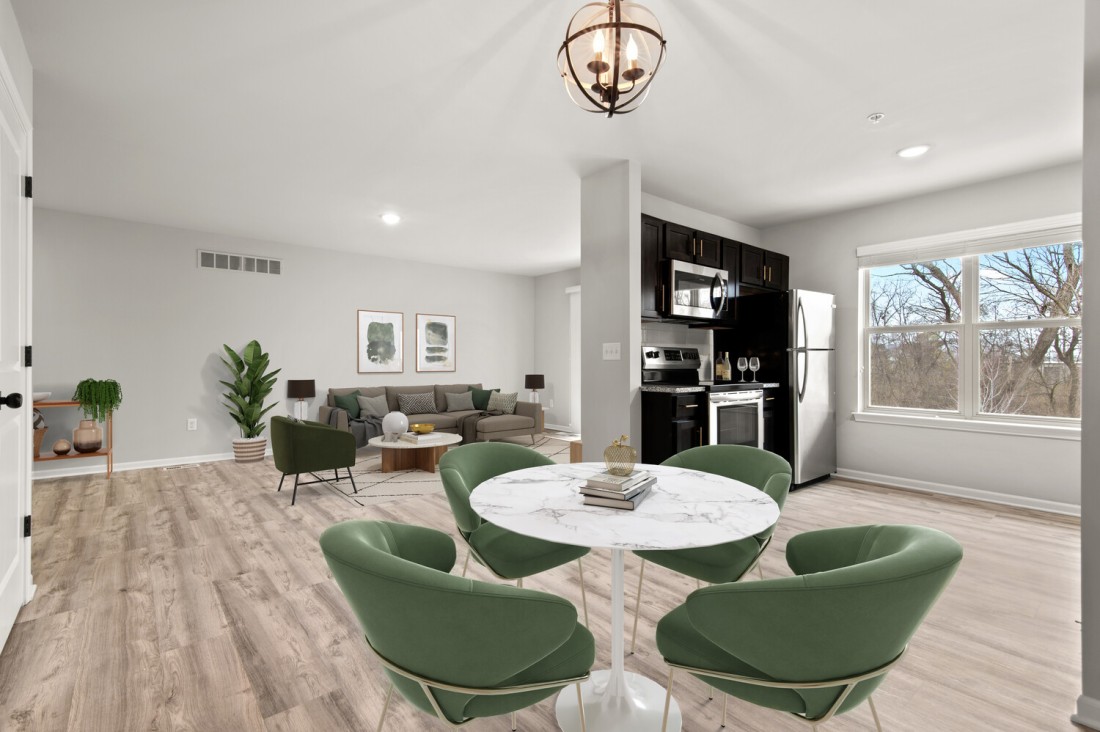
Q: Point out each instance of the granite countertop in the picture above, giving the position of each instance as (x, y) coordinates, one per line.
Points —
(674, 389)
(737, 385)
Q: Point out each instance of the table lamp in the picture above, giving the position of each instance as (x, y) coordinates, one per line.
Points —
(300, 389)
(534, 382)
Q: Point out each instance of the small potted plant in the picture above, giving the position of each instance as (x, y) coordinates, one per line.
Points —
(251, 384)
(97, 398)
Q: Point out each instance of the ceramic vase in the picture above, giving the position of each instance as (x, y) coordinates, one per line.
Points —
(87, 437)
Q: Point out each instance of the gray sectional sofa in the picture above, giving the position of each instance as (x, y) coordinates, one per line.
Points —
(526, 421)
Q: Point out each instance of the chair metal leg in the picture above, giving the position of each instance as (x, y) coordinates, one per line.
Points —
(466, 564)
(385, 706)
(584, 597)
(281, 483)
(580, 706)
(532, 438)
(710, 692)
(513, 722)
(759, 570)
(354, 488)
(637, 606)
(336, 474)
(668, 700)
(874, 713)
(725, 701)
(519, 583)
(294, 496)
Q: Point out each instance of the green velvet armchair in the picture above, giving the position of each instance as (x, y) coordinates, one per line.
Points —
(309, 447)
(819, 643)
(508, 555)
(455, 648)
(731, 561)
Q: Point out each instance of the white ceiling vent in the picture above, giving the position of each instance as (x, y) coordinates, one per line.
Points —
(239, 262)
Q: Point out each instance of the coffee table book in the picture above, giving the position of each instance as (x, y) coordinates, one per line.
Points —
(420, 439)
(621, 483)
(617, 494)
(628, 504)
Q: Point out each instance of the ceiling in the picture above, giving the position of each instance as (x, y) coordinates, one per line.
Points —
(302, 122)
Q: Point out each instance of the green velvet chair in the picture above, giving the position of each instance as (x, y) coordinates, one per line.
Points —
(508, 555)
(456, 648)
(731, 561)
(819, 643)
(309, 447)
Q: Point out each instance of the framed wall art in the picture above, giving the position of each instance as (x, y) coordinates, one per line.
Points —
(436, 347)
(380, 346)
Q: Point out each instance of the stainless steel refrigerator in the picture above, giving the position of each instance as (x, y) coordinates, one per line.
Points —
(793, 335)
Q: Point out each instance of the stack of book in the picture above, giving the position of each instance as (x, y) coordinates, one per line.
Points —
(425, 439)
(617, 491)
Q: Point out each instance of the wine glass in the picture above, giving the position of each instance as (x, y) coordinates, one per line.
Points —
(742, 364)
(754, 366)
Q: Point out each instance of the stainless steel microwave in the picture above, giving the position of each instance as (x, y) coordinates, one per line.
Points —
(697, 291)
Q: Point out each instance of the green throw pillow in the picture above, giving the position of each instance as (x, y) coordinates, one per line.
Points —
(481, 397)
(348, 402)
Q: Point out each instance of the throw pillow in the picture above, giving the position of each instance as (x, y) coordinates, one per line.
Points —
(481, 397)
(348, 402)
(460, 402)
(416, 403)
(504, 402)
(375, 406)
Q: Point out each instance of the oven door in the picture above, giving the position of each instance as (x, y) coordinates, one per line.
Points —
(737, 418)
(697, 291)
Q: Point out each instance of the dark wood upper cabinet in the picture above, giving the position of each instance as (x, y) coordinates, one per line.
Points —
(775, 270)
(763, 269)
(689, 245)
(708, 250)
(652, 278)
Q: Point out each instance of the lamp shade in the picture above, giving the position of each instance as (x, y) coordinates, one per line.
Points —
(300, 389)
(534, 381)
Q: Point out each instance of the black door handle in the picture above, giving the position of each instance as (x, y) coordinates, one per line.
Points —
(13, 400)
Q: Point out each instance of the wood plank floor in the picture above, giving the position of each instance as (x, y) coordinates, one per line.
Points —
(197, 599)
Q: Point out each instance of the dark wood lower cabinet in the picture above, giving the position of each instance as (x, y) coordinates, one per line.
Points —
(672, 423)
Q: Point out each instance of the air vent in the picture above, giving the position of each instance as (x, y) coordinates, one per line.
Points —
(239, 263)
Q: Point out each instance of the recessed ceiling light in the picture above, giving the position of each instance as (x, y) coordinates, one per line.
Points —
(390, 218)
(914, 152)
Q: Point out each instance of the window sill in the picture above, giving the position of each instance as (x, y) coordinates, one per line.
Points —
(993, 427)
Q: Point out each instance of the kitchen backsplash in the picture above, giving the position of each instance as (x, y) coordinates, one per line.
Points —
(674, 334)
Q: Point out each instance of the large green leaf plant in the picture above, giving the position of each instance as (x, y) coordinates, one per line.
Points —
(251, 384)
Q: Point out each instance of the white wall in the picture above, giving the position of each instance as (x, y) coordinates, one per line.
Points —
(15, 55)
(685, 215)
(1026, 470)
(552, 343)
(121, 300)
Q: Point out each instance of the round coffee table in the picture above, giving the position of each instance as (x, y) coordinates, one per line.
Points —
(402, 455)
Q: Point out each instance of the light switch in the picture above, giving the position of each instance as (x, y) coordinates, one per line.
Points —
(612, 351)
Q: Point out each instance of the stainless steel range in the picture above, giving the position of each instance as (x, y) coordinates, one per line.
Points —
(671, 368)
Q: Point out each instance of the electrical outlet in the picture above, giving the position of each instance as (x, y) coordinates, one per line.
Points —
(612, 351)
(550, 404)
(192, 424)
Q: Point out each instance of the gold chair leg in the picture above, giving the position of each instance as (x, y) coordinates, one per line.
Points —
(710, 692)
(584, 597)
(698, 583)
(519, 583)
(668, 700)
(513, 722)
(874, 713)
(725, 701)
(759, 570)
(580, 707)
(385, 706)
(466, 564)
(637, 606)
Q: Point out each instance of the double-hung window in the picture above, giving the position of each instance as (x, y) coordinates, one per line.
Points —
(982, 325)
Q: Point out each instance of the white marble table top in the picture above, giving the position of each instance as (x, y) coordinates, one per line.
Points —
(449, 438)
(684, 508)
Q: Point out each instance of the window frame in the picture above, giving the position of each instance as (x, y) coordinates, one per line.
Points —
(968, 247)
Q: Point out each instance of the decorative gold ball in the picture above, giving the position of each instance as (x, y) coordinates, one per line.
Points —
(62, 447)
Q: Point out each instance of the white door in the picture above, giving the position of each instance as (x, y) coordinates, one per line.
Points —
(15, 424)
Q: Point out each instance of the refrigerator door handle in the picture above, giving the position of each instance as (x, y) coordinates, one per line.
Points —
(802, 378)
(801, 339)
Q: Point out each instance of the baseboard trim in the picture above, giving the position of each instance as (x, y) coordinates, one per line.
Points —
(1088, 712)
(1006, 499)
(557, 427)
(101, 468)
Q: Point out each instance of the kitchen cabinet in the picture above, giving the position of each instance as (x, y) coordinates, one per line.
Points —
(689, 245)
(653, 285)
(672, 423)
(771, 424)
(731, 262)
(762, 269)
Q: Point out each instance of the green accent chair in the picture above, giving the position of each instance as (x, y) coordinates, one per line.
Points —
(819, 643)
(308, 447)
(456, 648)
(508, 555)
(731, 561)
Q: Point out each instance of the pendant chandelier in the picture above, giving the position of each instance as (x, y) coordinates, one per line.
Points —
(611, 53)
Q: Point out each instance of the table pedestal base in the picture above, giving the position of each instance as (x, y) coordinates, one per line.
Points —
(420, 458)
(637, 708)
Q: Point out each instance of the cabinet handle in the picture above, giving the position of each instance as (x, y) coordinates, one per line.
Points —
(768, 274)
(693, 246)
(663, 298)
(691, 406)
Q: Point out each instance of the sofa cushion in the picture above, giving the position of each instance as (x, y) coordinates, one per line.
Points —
(393, 391)
(441, 421)
(416, 403)
(504, 423)
(348, 402)
(503, 402)
(367, 391)
(373, 406)
(481, 397)
(463, 402)
(442, 390)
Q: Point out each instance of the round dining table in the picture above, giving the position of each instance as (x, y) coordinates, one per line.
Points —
(683, 509)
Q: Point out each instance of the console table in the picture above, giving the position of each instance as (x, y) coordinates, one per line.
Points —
(106, 451)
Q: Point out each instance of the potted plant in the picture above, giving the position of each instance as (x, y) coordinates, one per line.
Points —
(251, 384)
(97, 398)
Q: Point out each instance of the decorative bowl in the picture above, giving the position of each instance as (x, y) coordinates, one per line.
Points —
(41, 396)
(421, 428)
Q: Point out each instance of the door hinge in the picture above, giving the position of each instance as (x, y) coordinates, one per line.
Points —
(26, 526)
(26, 356)
(27, 187)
